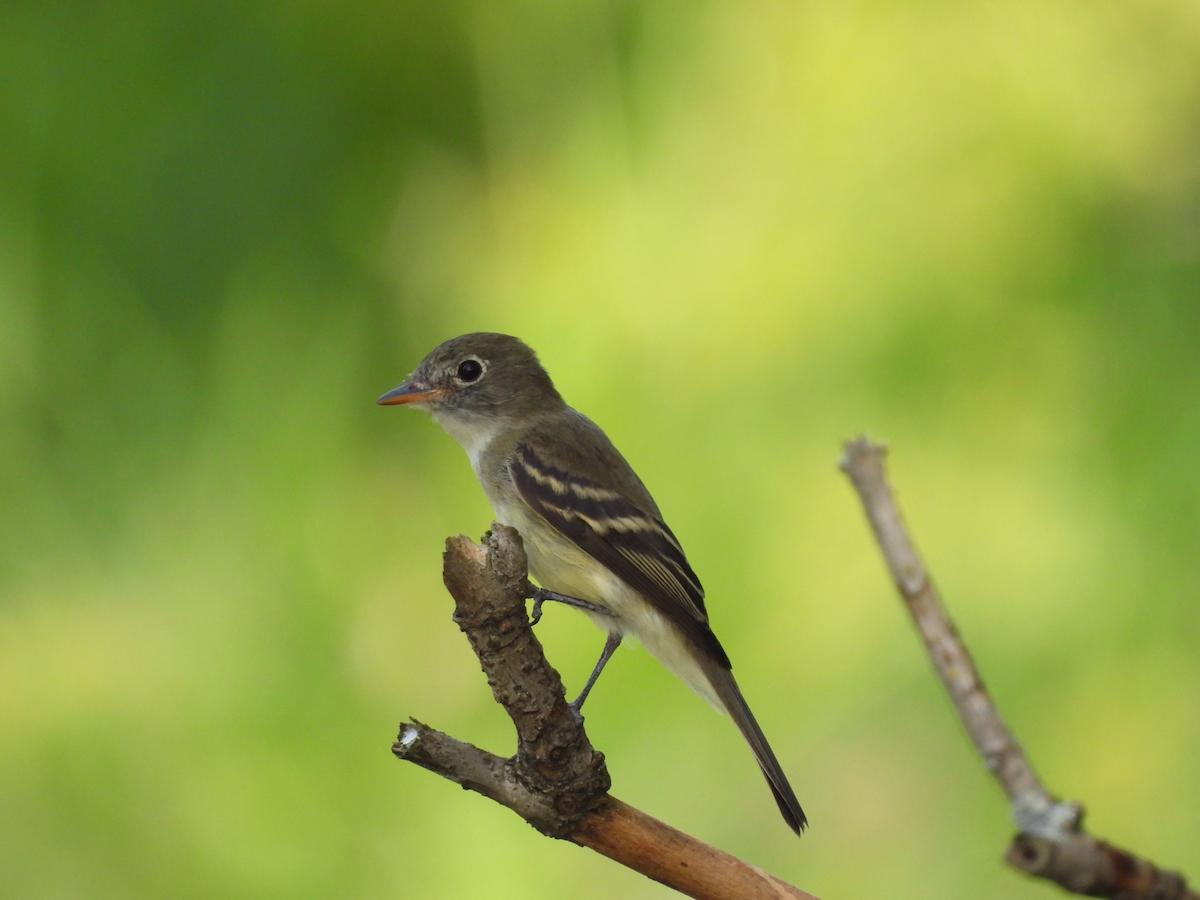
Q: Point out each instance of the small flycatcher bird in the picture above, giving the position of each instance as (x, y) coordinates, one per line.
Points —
(592, 531)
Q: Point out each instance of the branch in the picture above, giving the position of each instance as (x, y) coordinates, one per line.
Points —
(556, 781)
(1051, 843)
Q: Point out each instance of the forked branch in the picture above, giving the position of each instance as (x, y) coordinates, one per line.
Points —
(556, 781)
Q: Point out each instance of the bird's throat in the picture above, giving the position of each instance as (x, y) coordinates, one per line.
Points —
(472, 432)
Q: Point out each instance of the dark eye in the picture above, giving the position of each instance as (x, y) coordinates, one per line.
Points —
(469, 370)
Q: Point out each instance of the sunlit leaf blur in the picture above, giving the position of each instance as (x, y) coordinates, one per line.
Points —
(737, 233)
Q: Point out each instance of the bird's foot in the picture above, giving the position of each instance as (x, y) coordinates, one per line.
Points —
(576, 711)
(541, 595)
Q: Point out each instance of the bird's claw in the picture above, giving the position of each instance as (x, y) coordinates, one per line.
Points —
(541, 595)
(576, 710)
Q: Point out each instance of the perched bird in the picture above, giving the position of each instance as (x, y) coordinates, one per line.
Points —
(591, 529)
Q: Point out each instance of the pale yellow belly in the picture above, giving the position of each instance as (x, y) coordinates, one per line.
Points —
(558, 564)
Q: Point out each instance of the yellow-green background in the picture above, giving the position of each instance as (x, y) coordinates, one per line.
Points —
(737, 232)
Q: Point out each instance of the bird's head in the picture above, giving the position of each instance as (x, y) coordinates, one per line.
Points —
(477, 377)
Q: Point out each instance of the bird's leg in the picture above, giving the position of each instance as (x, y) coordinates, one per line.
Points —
(541, 595)
(610, 647)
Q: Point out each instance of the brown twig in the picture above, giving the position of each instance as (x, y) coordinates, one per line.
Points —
(1051, 842)
(556, 781)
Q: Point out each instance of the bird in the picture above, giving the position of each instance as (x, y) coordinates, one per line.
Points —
(593, 534)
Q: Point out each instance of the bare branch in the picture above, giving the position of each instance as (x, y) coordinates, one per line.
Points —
(1032, 803)
(556, 781)
(673, 858)
(476, 770)
(1052, 843)
(554, 757)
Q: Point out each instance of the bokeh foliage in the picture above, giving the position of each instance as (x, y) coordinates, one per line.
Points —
(737, 233)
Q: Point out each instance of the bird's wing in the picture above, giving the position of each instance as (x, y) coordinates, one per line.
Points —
(634, 544)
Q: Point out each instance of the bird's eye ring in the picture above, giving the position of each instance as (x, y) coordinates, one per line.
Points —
(470, 370)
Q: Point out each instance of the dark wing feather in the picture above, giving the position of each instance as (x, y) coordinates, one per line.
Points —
(637, 546)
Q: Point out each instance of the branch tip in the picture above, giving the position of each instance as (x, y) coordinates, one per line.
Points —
(409, 735)
(861, 451)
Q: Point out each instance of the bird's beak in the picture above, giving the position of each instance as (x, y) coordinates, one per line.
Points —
(409, 392)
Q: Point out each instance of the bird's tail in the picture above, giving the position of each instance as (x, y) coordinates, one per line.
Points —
(735, 704)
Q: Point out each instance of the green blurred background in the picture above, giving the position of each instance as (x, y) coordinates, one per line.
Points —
(738, 233)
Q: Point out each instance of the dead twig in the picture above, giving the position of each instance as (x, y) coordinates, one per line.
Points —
(556, 781)
(1051, 842)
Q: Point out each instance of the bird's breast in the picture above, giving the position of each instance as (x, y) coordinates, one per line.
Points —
(559, 564)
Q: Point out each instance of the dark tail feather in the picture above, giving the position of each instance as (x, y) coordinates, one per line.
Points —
(727, 689)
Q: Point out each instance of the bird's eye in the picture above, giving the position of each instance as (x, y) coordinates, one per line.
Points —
(469, 370)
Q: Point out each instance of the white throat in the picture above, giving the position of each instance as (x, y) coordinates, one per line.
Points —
(473, 433)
